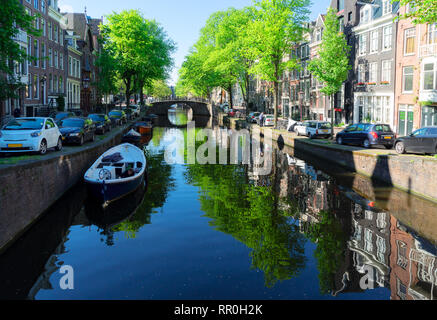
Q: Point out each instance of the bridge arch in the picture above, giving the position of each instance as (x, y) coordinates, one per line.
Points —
(200, 107)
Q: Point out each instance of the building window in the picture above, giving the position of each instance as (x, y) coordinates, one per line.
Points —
(43, 55)
(56, 59)
(35, 4)
(28, 92)
(387, 41)
(43, 6)
(361, 73)
(374, 38)
(430, 76)
(29, 49)
(365, 15)
(61, 84)
(61, 61)
(50, 58)
(36, 53)
(432, 33)
(341, 22)
(35, 87)
(381, 249)
(50, 31)
(386, 7)
(50, 83)
(373, 72)
(410, 41)
(386, 71)
(368, 240)
(56, 33)
(362, 44)
(340, 5)
(401, 289)
(408, 77)
(349, 18)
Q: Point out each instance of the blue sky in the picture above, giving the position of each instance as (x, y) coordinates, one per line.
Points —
(182, 19)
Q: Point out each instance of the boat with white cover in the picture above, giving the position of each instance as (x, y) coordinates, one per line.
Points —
(118, 172)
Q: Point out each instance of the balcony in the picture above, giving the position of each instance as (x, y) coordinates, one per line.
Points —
(428, 50)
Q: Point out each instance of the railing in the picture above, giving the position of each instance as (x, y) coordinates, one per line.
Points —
(428, 50)
(193, 99)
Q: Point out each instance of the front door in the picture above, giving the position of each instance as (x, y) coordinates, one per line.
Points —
(406, 121)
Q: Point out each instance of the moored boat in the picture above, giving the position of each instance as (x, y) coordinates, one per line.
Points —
(117, 173)
(143, 128)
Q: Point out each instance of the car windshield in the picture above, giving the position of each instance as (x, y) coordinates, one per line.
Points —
(383, 128)
(25, 124)
(115, 114)
(326, 125)
(269, 117)
(96, 117)
(72, 123)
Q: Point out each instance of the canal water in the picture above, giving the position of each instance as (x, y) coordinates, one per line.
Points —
(306, 231)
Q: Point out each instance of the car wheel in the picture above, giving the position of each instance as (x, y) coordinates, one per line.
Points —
(400, 148)
(366, 144)
(43, 148)
(340, 140)
(59, 145)
(389, 147)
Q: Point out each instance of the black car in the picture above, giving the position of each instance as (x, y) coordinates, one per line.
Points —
(367, 135)
(102, 122)
(62, 115)
(117, 117)
(420, 141)
(77, 130)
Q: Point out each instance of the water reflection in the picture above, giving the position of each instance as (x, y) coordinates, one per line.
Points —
(306, 220)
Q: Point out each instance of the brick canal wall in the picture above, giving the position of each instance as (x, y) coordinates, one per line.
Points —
(28, 190)
(413, 174)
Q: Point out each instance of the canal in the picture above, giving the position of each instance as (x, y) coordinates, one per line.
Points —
(305, 231)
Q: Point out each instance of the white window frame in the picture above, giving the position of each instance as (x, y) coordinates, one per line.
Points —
(361, 73)
(362, 44)
(387, 46)
(434, 73)
(432, 33)
(373, 72)
(386, 7)
(409, 33)
(404, 75)
(365, 15)
(374, 41)
(386, 72)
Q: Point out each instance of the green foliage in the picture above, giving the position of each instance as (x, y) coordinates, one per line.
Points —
(13, 17)
(140, 49)
(158, 89)
(276, 26)
(424, 11)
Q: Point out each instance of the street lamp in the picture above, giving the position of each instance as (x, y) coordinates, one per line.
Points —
(42, 81)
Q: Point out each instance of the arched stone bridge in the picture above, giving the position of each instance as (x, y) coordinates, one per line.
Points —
(200, 107)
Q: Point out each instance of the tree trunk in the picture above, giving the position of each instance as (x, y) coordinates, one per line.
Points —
(128, 83)
(275, 102)
(231, 103)
(332, 117)
(141, 94)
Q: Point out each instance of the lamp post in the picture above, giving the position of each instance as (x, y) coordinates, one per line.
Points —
(301, 94)
(42, 81)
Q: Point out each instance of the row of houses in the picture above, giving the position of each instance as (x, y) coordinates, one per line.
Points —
(64, 66)
(393, 77)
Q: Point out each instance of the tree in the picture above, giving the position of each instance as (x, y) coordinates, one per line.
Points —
(421, 11)
(159, 89)
(142, 50)
(332, 66)
(13, 17)
(106, 63)
(278, 24)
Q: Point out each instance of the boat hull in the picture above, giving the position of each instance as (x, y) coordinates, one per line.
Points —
(107, 193)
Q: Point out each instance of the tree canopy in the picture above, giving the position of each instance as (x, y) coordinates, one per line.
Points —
(421, 11)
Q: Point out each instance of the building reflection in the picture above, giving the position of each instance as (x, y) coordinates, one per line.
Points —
(377, 243)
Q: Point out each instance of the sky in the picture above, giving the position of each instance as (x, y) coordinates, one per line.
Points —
(181, 19)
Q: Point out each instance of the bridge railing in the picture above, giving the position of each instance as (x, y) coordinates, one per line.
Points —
(176, 99)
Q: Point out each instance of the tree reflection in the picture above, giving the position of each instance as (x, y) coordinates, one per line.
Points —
(249, 213)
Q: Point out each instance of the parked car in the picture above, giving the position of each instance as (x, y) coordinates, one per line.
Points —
(117, 117)
(63, 115)
(420, 141)
(30, 134)
(253, 117)
(128, 113)
(367, 135)
(301, 128)
(269, 120)
(319, 129)
(102, 122)
(77, 130)
(136, 110)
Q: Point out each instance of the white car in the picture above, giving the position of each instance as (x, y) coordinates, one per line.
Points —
(319, 129)
(30, 134)
(269, 121)
(301, 128)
